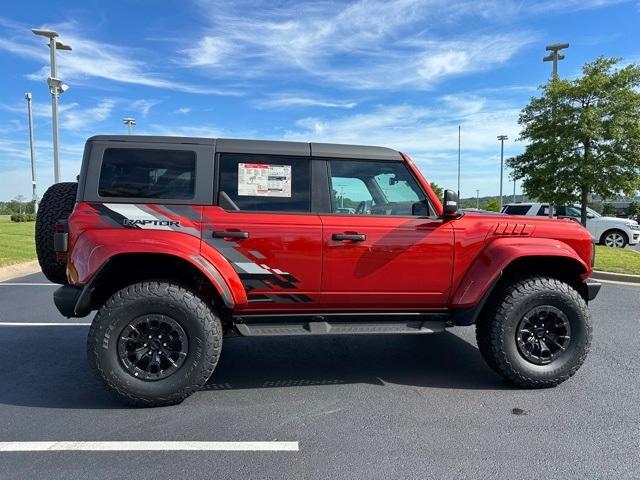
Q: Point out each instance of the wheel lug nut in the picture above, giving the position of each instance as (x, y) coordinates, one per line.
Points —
(144, 344)
(164, 344)
(150, 336)
(159, 336)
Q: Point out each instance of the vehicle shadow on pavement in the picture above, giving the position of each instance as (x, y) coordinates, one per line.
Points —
(442, 361)
(47, 367)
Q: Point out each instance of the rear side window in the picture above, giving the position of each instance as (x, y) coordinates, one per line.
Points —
(147, 173)
(268, 183)
(516, 209)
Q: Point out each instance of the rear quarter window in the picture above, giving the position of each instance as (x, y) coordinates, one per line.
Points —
(147, 173)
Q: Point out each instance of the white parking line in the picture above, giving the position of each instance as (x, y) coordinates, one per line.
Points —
(42, 324)
(18, 284)
(148, 446)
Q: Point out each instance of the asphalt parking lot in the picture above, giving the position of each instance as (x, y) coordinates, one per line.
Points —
(358, 407)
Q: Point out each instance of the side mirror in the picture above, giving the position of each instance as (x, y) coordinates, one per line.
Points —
(450, 204)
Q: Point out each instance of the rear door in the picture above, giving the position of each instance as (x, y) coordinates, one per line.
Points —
(263, 225)
(384, 248)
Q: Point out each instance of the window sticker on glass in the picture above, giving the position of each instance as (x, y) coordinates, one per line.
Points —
(264, 180)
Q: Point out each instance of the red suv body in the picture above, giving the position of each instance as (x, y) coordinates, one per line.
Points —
(295, 238)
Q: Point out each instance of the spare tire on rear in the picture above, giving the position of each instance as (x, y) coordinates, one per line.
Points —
(56, 204)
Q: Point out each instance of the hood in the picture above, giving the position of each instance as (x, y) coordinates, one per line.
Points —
(621, 221)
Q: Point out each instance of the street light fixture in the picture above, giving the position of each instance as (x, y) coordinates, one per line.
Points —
(34, 195)
(554, 56)
(56, 87)
(129, 122)
(502, 138)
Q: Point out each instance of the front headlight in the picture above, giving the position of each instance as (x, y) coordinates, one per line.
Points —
(633, 226)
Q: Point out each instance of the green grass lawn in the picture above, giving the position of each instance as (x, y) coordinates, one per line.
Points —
(17, 243)
(617, 260)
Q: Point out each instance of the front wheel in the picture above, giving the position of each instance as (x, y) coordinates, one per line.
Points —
(154, 343)
(537, 334)
(614, 238)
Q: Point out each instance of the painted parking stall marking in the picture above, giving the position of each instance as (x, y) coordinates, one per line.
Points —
(131, 446)
(44, 324)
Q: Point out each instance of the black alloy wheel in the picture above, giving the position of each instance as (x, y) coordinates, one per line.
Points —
(152, 347)
(543, 334)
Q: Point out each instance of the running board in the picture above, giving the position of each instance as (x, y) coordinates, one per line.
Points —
(263, 329)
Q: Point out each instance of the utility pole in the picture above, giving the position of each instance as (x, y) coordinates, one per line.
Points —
(477, 199)
(56, 87)
(129, 122)
(34, 195)
(555, 56)
(459, 161)
(502, 138)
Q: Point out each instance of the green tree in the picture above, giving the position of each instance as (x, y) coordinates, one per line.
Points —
(437, 189)
(493, 205)
(633, 208)
(584, 136)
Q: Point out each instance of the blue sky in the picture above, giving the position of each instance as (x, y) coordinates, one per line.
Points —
(399, 73)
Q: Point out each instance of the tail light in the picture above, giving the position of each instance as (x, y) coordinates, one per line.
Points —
(61, 240)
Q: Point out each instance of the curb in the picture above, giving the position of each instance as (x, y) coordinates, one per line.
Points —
(18, 270)
(615, 277)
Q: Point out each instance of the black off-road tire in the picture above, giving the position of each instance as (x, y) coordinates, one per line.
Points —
(56, 204)
(496, 332)
(201, 325)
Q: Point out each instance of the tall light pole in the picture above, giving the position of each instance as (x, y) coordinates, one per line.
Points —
(129, 122)
(502, 138)
(514, 189)
(477, 199)
(458, 161)
(56, 87)
(555, 56)
(34, 195)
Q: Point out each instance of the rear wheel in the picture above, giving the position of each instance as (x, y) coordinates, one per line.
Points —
(154, 343)
(614, 238)
(537, 334)
(56, 204)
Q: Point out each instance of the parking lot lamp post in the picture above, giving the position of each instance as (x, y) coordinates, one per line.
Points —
(56, 87)
(502, 138)
(129, 122)
(34, 195)
(477, 199)
(555, 56)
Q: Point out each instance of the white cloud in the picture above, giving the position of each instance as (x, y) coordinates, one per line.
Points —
(429, 135)
(144, 106)
(86, 118)
(91, 59)
(370, 44)
(285, 100)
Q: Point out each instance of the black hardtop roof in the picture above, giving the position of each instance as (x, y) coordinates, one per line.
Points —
(269, 147)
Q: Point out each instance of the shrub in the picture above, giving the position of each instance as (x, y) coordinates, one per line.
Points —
(23, 217)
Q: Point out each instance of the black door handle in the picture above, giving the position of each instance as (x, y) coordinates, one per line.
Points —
(353, 237)
(240, 235)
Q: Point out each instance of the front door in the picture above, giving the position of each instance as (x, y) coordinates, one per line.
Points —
(264, 227)
(377, 252)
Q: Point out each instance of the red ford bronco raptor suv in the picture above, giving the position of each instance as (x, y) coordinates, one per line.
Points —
(177, 242)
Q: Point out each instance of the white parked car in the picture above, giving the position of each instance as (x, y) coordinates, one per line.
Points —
(610, 231)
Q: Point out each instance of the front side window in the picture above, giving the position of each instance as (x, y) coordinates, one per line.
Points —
(375, 188)
(147, 173)
(268, 183)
